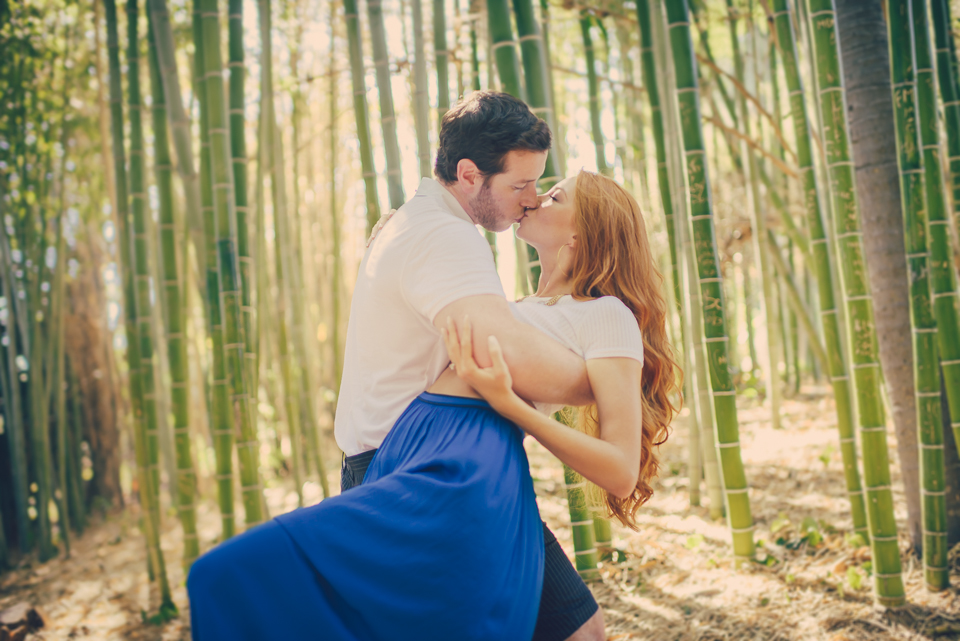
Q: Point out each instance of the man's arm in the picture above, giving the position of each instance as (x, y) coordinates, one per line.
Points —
(543, 370)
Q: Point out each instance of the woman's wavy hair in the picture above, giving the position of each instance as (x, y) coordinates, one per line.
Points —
(612, 257)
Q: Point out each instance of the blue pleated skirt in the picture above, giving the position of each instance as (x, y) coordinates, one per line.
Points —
(442, 541)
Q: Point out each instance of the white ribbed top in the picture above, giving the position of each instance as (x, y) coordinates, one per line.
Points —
(599, 328)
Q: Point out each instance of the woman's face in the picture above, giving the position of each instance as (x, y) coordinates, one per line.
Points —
(553, 225)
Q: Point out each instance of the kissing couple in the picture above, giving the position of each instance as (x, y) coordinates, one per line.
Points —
(436, 534)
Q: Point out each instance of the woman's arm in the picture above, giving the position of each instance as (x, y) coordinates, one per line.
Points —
(613, 461)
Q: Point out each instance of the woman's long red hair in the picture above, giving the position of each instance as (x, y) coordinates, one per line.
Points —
(612, 257)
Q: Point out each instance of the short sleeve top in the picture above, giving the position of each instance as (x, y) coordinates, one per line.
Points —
(428, 255)
(600, 328)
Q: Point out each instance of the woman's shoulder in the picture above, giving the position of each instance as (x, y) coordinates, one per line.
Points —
(608, 306)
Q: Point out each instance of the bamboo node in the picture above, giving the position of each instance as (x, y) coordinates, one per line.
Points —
(726, 445)
(503, 43)
(576, 523)
(582, 552)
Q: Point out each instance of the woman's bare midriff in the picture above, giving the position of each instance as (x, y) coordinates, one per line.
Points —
(451, 385)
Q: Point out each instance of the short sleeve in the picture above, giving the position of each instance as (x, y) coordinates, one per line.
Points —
(608, 329)
(453, 261)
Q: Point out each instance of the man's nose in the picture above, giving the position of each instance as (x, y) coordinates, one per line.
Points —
(530, 199)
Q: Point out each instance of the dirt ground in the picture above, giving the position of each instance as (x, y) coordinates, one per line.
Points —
(676, 581)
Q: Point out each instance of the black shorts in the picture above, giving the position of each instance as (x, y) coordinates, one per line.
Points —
(566, 603)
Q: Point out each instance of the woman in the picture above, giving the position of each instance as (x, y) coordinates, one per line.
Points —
(443, 539)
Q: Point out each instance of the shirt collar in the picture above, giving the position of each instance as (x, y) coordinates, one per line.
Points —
(432, 188)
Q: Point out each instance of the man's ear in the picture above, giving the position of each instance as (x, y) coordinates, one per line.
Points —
(468, 175)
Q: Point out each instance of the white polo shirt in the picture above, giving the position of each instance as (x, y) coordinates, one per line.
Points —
(428, 255)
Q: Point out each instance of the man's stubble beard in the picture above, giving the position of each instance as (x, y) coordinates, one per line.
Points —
(485, 211)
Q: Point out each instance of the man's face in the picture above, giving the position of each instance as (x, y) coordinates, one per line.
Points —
(503, 197)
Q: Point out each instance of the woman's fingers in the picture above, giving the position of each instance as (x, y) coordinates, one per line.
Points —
(496, 355)
(452, 341)
(466, 346)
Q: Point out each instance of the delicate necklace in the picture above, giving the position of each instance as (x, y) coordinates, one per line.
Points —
(552, 301)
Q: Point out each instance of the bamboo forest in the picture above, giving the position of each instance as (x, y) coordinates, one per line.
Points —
(187, 191)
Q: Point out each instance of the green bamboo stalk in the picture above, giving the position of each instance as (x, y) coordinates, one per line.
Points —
(175, 315)
(142, 308)
(361, 112)
(75, 483)
(710, 277)
(634, 142)
(942, 275)
(140, 257)
(593, 86)
(238, 150)
(658, 68)
(649, 74)
(388, 119)
(824, 261)
(179, 123)
(272, 157)
(442, 58)
(221, 427)
(474, 55)
(59, 394)
(536, 76)
(888, 583)
(150, 526)
(228, 264)
(947, 80)
(551, 90)
(337, 361)
(581, 525)
(12, 410)
(421, 94)
(4, 549)
(56, 374)
(700, 400)
(911, 72)
(759, 226)
(40, 458)
(504, 47)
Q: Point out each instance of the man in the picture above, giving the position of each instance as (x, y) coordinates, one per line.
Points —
(429, 264)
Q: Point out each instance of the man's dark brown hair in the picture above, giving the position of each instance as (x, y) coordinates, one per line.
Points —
(484, 128)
